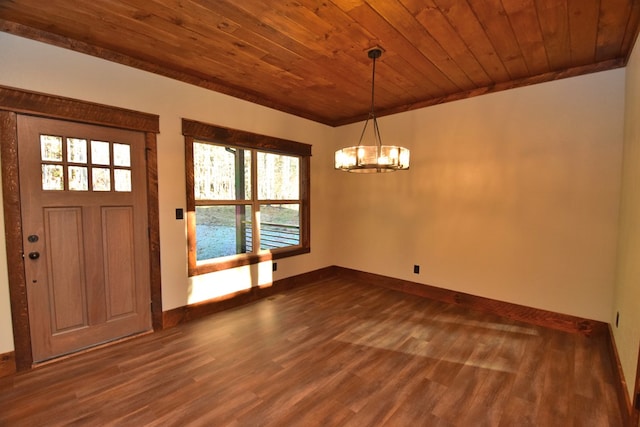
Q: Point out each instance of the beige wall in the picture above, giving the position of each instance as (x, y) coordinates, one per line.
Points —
(511, 196)
(627, 291)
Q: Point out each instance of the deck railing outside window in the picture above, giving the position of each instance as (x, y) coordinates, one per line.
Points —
(273, 235)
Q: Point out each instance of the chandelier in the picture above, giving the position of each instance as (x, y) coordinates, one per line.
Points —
(372, 158)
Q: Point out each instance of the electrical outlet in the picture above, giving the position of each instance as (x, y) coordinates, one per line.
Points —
(416, 269)
(274, 266)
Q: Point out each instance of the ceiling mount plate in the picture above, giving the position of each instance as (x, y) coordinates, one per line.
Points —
(375, 52)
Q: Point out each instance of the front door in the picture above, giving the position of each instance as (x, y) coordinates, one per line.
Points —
(85, 234)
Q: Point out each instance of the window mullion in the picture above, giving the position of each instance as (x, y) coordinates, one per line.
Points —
(219, 202)
(255, 210)
(279, 201)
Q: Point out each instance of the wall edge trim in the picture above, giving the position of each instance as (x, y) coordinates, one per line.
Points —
(624, 400)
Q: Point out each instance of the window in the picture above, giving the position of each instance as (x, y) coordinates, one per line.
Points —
(247, 197)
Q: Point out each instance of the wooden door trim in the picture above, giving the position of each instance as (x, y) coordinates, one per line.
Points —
(14, 101)
(13, 236)
(153, 212)
(635, 410)
(58, 107)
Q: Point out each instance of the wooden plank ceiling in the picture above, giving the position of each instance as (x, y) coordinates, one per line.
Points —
(308, 57)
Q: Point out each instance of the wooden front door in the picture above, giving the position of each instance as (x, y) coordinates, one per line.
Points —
(85, 234)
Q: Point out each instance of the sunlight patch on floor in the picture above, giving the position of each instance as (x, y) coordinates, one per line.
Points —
(367, 333)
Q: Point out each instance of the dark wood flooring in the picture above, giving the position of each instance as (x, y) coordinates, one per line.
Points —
(329, 354)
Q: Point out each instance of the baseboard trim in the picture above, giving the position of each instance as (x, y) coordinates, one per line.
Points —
(624, 401)
(535, 316)
(190, 312)
(7, 364)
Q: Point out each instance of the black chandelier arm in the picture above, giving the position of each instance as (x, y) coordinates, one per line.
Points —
(363, 130)
(376, 133)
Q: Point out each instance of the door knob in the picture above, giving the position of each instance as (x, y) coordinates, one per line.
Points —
(34, 255)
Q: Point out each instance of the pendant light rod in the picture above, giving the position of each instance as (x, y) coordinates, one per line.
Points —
(374, 54)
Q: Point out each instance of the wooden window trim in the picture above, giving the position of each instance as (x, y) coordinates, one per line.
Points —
(193, 130)
(244, 139)
(15, 101)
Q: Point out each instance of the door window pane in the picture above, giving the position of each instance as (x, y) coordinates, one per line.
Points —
(222, 231)
(78, 178)
(100, 153)
(52, 177)
(76, 150)
(279, 177)
(101, 179)
(122, 179)
(121, 155)
(51, 148)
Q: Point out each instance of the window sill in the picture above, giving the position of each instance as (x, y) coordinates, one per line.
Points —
(244, 259)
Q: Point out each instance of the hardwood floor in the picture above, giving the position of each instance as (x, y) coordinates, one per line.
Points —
(335, 353)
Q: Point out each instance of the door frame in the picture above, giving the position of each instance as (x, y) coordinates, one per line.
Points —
(18, 101)
(635, 411)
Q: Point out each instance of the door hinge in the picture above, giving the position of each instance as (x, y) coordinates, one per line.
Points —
(637, 401)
